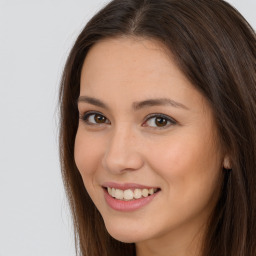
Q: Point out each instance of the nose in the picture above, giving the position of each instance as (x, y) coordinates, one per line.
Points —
(122, 152)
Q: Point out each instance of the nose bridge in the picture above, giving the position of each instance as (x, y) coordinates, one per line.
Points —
(122, 152)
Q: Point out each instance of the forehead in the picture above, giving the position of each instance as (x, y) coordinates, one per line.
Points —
(133, 50)
(136, 62)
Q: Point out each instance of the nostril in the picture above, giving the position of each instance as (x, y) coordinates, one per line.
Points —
(121, 162)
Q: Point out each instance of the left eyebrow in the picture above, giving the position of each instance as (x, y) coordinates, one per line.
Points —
(92, 101)
(158, 102)
(136, 105)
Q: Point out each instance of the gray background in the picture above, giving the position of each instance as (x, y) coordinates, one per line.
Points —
(35, 38)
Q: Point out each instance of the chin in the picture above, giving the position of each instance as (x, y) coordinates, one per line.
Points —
(125, 235)
(124, 238)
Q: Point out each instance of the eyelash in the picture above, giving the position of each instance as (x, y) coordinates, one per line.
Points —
(168, 119)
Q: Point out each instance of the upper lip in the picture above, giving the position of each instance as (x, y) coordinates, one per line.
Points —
(124, 186)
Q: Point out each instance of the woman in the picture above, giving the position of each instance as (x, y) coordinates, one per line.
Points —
(158, 139)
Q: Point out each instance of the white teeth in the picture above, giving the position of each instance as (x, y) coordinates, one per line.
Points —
(145, 192)
(137, 193)
(128, 194)
(119, 194)
(113, 192)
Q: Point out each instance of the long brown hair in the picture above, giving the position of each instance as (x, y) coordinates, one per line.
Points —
(215, 48)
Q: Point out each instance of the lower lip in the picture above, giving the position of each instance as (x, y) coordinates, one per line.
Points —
(128, 206)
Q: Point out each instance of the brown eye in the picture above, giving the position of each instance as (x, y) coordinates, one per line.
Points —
(160, 121)
(94, 119)
(99, 119)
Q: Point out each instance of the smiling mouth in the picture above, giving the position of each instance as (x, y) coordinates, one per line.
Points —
(131, 194)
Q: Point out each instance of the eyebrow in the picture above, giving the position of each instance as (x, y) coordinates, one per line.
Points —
(158, 102)
(92, 101)
(135, 105)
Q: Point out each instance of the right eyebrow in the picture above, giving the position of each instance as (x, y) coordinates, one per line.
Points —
(136, 105)
(92, 101)
(158, 102)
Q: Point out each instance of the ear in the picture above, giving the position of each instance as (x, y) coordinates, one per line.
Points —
(227, 162)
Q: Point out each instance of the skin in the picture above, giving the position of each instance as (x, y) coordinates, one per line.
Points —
(183, 159)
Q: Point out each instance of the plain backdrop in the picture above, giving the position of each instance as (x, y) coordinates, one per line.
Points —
(35, 38)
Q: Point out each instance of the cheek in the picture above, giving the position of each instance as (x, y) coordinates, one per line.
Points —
(87, 155)
(87, 152)
(187, 165)
(190, 173)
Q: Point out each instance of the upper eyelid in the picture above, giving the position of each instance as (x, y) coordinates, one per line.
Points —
(171, 121)
(147, 117)
(91, 112)
(152, 115)
(161, 115)
(88, 113)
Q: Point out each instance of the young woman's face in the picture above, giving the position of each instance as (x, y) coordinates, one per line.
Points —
(145, 129)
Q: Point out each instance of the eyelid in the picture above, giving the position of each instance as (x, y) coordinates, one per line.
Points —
(87, 114)
(155, 115)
